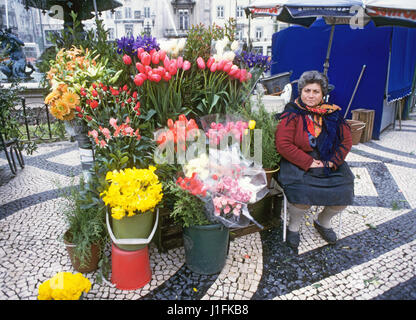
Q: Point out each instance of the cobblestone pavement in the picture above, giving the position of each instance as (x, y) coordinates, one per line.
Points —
(375, 257)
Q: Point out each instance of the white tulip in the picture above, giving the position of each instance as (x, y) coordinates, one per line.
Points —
(181, 44)
(228, 55)
(235, 45)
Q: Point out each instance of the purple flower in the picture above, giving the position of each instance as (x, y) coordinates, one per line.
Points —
(251, 60)
(129, 45)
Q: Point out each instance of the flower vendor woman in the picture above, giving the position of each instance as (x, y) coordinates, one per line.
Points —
(314, 139)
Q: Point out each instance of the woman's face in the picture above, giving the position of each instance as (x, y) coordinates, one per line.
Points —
(311, 94)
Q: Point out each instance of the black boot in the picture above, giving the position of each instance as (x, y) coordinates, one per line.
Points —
(326, 233)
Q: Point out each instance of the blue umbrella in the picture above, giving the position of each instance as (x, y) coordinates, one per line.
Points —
(356, 13)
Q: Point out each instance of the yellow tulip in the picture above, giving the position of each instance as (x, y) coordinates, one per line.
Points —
(251, 124)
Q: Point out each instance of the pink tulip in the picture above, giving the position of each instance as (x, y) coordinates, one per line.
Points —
(213, 67)
(162, 55)
(221, 65)
(227, 66)
(243, 74)
(179, 62)
(186, 65)
(201, 63)
(210, 61)
(166, 62)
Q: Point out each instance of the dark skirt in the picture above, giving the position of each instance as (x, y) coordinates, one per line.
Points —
(315, 187)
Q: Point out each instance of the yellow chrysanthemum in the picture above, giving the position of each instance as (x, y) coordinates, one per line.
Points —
(132, 191)
(64, 286)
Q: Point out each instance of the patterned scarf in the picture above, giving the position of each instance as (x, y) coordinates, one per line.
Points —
(314, 119)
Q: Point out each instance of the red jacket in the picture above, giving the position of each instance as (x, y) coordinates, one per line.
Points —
(292, 143)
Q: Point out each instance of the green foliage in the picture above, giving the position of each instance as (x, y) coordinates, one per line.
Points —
(86, 220)
(188, 209)
(267, 123)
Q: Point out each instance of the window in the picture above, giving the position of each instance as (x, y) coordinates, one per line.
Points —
(183, 19)
(258, 50)
(111, 34)
(137, 14)
(240, 12)
(220, 11)
(239, 34)
(119, 15)
(127, 13)
(259, 32)
(128, 29)
(147, 12)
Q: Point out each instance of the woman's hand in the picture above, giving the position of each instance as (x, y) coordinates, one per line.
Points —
(316, 164)
(320, 164)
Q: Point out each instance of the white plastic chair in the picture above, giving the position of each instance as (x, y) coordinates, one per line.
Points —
(284, 207)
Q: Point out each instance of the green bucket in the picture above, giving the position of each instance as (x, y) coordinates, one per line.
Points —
(206, 248)
(135, 227)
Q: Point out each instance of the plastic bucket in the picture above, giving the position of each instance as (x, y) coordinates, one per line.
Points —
(130, 270)
(133, 233)
(357, 128)
(206, 248)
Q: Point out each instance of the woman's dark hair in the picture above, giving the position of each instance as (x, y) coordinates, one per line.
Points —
(313, 76)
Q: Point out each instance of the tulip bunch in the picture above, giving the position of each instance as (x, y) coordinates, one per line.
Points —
(156, 65)
(178, 132)
(159, 81)
(232, 70)
(217, 131)
(224, 86)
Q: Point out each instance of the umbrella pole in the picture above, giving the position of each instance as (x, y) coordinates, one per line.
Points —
(355, 90)
(328, 51)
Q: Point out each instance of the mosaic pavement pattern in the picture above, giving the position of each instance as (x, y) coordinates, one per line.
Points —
(375, 257)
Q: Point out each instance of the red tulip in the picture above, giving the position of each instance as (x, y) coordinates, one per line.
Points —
(137, 107)
(138, 80)
(155, 58)
(243, 75)
(201, 63)
(145, 58)
(155, 77)
(140, 67)
(170, 123)
(173, 69)
(166, 76)
(139, 52)
(233, 71)
(213, 67)
(127, 59)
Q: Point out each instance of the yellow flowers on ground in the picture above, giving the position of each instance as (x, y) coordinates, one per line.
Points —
(64, 286)
(132, 191)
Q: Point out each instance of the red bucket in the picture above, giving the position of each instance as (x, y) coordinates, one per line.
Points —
(130, 269)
